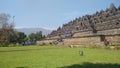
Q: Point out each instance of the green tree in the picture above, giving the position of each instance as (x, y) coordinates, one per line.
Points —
(36, 36)
(32, 36)
(21, 37)
(39, 35)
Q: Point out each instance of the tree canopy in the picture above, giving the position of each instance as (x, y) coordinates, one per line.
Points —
(7, 31)
(36, 36)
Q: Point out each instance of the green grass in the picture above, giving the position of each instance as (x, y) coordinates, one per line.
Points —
(57, 57)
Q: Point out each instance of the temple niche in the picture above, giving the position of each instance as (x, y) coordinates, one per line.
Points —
(104, 24)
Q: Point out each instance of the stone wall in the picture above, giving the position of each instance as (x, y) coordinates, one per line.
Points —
(91, 40)
(113, 39)
(100, 32)
(43, 42)
(84, 40)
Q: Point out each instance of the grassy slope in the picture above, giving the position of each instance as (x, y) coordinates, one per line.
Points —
(53, 57)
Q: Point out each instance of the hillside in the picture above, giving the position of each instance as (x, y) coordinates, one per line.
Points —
(28, 31)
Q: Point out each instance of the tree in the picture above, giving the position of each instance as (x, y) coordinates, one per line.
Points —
(7, 32)
(36, 36)
(32, 36)
(39, 35)
(21, 37)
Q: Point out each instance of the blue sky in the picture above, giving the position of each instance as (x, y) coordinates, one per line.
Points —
(50, 14)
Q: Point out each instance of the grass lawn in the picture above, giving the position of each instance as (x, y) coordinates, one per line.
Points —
(57, 57)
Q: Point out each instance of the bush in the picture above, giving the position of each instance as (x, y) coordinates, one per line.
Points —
(11, 45)
(3, 45)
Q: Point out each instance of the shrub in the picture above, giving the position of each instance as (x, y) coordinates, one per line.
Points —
(11, 45)
(3, 44)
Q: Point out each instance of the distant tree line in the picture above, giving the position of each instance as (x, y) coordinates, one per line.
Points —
(8, 34)
(36, 36)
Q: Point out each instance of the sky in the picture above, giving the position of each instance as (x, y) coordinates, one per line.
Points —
(50, 14)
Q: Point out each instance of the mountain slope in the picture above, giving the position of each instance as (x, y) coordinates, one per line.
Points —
(28, 31)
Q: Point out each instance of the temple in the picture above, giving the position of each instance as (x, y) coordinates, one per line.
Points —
(89, 29)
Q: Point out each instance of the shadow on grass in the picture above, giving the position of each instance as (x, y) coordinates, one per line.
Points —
(21, 67)
(91, 65)
(27, 50)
